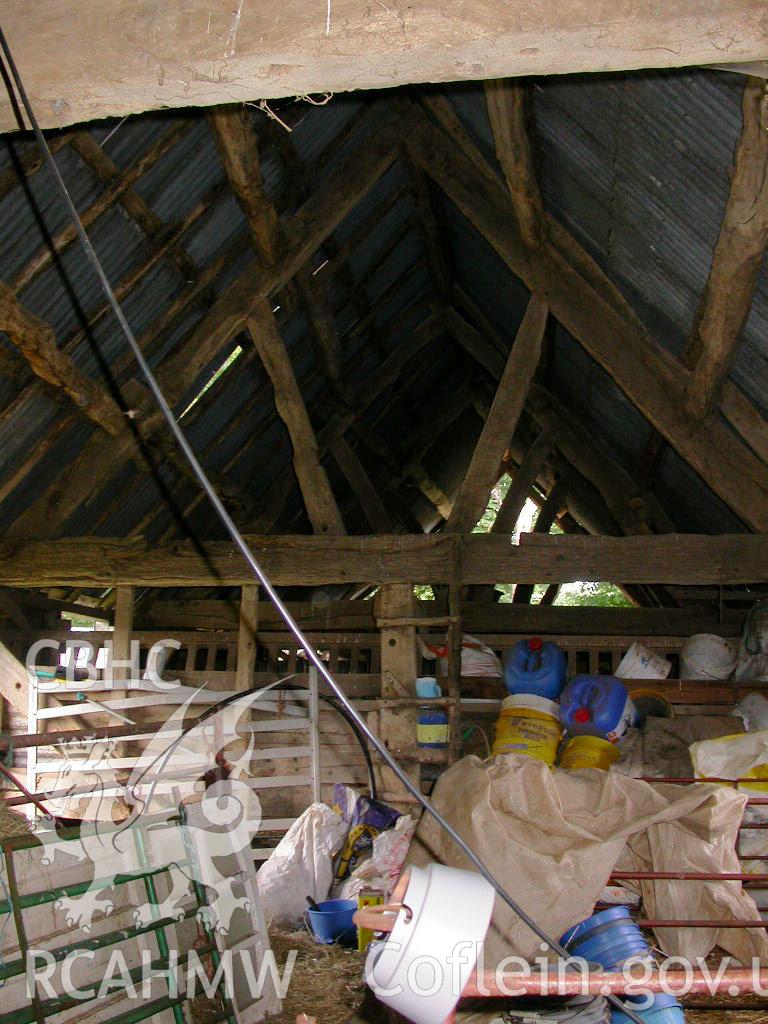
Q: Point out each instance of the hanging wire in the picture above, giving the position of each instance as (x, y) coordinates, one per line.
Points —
(250, 559)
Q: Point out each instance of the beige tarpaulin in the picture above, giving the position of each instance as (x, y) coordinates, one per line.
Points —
(553, 837)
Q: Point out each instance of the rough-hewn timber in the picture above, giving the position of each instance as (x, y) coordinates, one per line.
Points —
(81, 62)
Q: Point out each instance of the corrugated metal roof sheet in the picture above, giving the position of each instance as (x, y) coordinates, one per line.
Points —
(635, 166)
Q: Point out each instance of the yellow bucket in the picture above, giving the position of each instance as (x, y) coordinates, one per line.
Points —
(528, 725)
(588, 752)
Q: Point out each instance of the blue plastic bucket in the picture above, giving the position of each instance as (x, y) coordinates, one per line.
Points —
(654, 1001)
(608, 938)
(611, 956)
(619, 914)
(654, 1015)
(332, 921)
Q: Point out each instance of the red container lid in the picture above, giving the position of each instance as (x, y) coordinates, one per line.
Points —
(581, 715)
(535, 643)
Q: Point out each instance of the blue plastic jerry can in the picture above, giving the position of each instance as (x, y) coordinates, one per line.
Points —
(597, 706)
(535, 666)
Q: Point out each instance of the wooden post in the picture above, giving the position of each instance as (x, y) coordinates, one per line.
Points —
(246, 638)
(455, 642)
(399, 668)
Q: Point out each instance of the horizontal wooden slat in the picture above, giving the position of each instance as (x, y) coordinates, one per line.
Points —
(309, 560)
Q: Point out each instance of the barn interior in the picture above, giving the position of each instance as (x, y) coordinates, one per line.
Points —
(466, 320)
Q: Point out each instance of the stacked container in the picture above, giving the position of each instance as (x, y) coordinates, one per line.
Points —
(610, 938)
(596, 712)
(534, 673)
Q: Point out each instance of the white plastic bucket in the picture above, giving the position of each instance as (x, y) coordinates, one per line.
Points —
(427, 960)
(704, 656)
(641, 663)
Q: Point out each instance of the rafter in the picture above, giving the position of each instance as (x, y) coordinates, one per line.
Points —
(738, 254)
(362, 486)
(550, 509)
(502, 419)
(650, 379)
(522, 483)
(508, 104)
(158, 233)
(36, 341)
(235, 140)
(316, 490)
(317, 218)
(63, 238)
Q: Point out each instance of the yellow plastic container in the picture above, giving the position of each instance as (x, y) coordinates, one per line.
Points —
(528, 725)
(588, 752)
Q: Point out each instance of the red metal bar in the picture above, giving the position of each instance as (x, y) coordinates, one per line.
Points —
(734, 981)
(686, 876)
(654, 923)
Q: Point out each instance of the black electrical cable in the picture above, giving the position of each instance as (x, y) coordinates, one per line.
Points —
(249, 557)
(340, 709)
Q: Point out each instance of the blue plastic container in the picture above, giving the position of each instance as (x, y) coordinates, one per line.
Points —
(432, 729)
(619, 914)
(607, 938)
(654, 1014)
(596, 706)
(332, 922)
(535, 666)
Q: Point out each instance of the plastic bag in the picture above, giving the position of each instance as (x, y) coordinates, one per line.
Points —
(476, 658)
(752, 661)
(383, 868)
(732, 757)
(301, 866)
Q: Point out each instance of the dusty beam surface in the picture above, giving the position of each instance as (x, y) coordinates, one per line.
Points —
(313, 561)
(85, 59)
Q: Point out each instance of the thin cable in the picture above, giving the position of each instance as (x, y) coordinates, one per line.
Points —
(250, 559)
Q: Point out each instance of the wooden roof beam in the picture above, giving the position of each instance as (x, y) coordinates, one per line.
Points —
(737, 258)
(508, 104)
(316, 219)
(35, 340)
(309, 560)
(649, 377)
(80, 63)
(502, 419)
(233, 133)
(158, 233)
(63, 238)
(315, 487)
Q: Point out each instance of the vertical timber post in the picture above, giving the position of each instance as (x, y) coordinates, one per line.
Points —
(246, 637)
(455, 640)
(121, 652)
(399, 669)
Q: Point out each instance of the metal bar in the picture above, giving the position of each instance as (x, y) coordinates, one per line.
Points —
(21, 933)
(491, 984)
(314, 717)
(16, 967)
(654, 923)
(202, 901)
(149, 886)
(62, 1003)
(37, 899)
(685, 876)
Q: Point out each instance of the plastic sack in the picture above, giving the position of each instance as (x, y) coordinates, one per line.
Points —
(476, 658)
(753, 709)
(383, 868)
(705, 656)
(301, 866)
(732, 757)
(752, 661)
